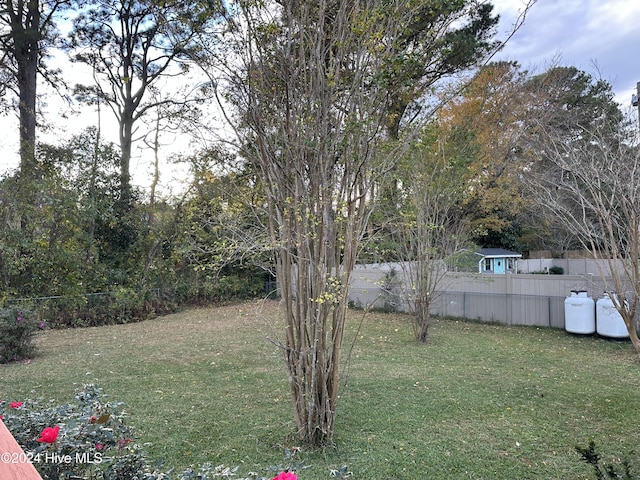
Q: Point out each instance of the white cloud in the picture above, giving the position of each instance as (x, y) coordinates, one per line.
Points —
(599, 37)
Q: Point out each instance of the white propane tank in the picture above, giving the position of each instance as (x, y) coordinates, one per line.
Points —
(579, 313)
(609, 322)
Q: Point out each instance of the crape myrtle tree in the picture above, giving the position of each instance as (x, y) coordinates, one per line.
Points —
(593, 186)
(588, 177)
(430, 227)
(310, 85)
(132, 47)
(450, 167)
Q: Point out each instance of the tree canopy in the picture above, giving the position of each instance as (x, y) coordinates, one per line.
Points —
(133, 45)
(27, 36)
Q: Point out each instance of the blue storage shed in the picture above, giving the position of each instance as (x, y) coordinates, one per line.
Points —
(497, 260)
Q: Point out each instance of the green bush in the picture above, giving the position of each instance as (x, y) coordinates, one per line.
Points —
(122, 305)
(555, 270)
(127, 304)
(17, 328)
(200, 289)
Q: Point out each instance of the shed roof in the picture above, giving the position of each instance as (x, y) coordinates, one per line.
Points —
(497, 253)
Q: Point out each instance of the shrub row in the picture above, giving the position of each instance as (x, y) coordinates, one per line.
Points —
(20, 319)
(130, 304)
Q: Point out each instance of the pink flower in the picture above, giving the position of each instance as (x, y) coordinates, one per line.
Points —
(285, 476)
(49, 435)
(123, 441)
(99, 446)
(16, 404)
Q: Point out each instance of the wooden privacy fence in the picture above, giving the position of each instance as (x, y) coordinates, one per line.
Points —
(523, 299)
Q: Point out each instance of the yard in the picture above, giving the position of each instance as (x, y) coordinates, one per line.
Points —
(479, 401)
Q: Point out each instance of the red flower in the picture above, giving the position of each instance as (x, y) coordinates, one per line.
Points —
(49, 435)
(285, 476)
(123, 441)
(16, 404)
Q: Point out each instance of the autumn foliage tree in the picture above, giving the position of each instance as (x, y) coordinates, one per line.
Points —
(485, 125)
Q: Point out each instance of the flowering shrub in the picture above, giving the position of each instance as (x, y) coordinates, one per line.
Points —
(290, 465)
(89, 439)
(86, 439)
(17, 328)
(285, 476)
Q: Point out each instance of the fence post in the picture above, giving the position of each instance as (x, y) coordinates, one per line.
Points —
(464, 304)
(509, 299)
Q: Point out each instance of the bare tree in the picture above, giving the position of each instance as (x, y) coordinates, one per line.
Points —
(592, 184)
(310, 104)
(430, 231)
(315, 87)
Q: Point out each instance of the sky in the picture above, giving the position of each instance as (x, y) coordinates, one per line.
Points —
(600, 37)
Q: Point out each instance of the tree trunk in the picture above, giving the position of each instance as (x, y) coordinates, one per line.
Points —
(633, 333)
(27, 109)
(313, 268)
(25, 31)
(126, 134)
(26, 35)
(422, 319)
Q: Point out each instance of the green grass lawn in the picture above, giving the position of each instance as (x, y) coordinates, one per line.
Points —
(478, 402)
